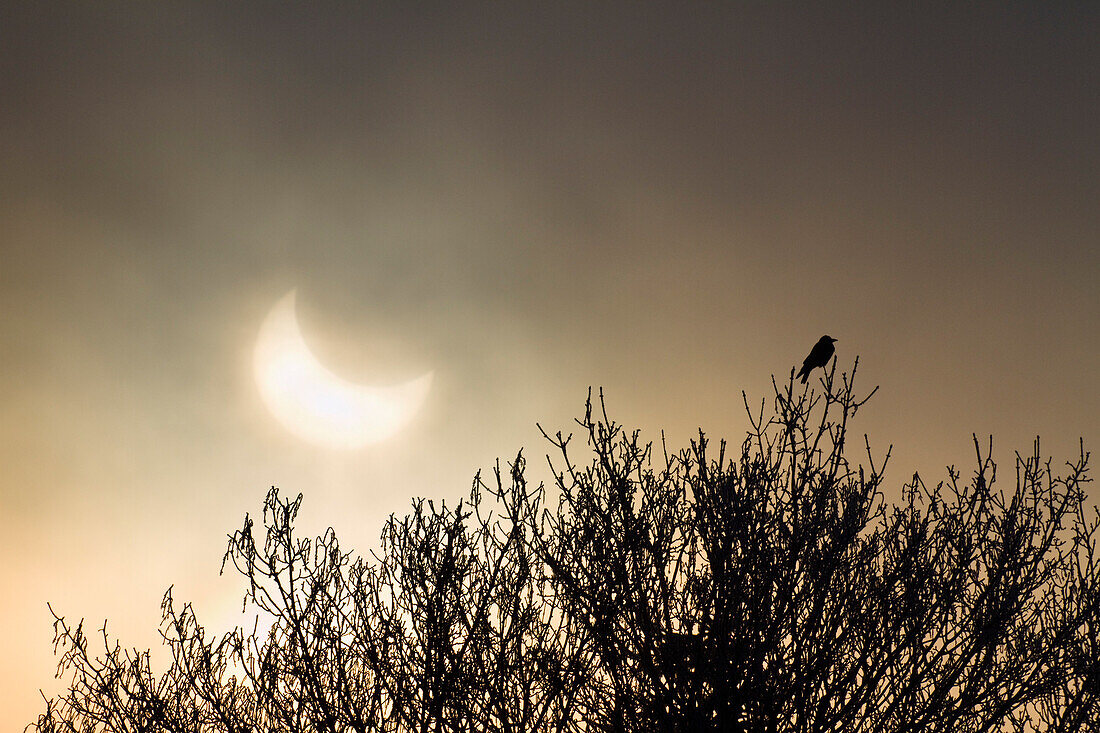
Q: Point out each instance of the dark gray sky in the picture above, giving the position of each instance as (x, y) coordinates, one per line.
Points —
(671, 203)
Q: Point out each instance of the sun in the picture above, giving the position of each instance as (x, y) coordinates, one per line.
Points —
(315, 404)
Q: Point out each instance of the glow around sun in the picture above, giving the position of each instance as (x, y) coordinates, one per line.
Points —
(315, 404)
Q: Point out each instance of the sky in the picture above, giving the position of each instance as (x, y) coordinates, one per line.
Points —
(669, 202)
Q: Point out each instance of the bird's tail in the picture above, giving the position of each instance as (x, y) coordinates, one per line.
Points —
(805, 376)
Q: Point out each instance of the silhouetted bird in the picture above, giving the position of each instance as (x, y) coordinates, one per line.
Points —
(819, 357)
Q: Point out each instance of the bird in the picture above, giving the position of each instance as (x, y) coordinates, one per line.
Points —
(819, 356)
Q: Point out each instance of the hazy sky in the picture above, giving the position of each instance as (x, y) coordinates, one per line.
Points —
(673, 204)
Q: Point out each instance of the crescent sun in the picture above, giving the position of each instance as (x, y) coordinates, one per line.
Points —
(315, 404)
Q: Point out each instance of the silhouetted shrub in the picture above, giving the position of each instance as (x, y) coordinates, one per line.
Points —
(771, 588)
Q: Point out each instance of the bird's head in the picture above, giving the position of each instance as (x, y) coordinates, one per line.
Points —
(827, 339)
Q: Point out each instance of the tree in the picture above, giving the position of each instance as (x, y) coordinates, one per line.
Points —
(772, 588)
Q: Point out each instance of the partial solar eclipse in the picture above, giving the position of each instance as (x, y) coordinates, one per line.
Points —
(315, 404)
